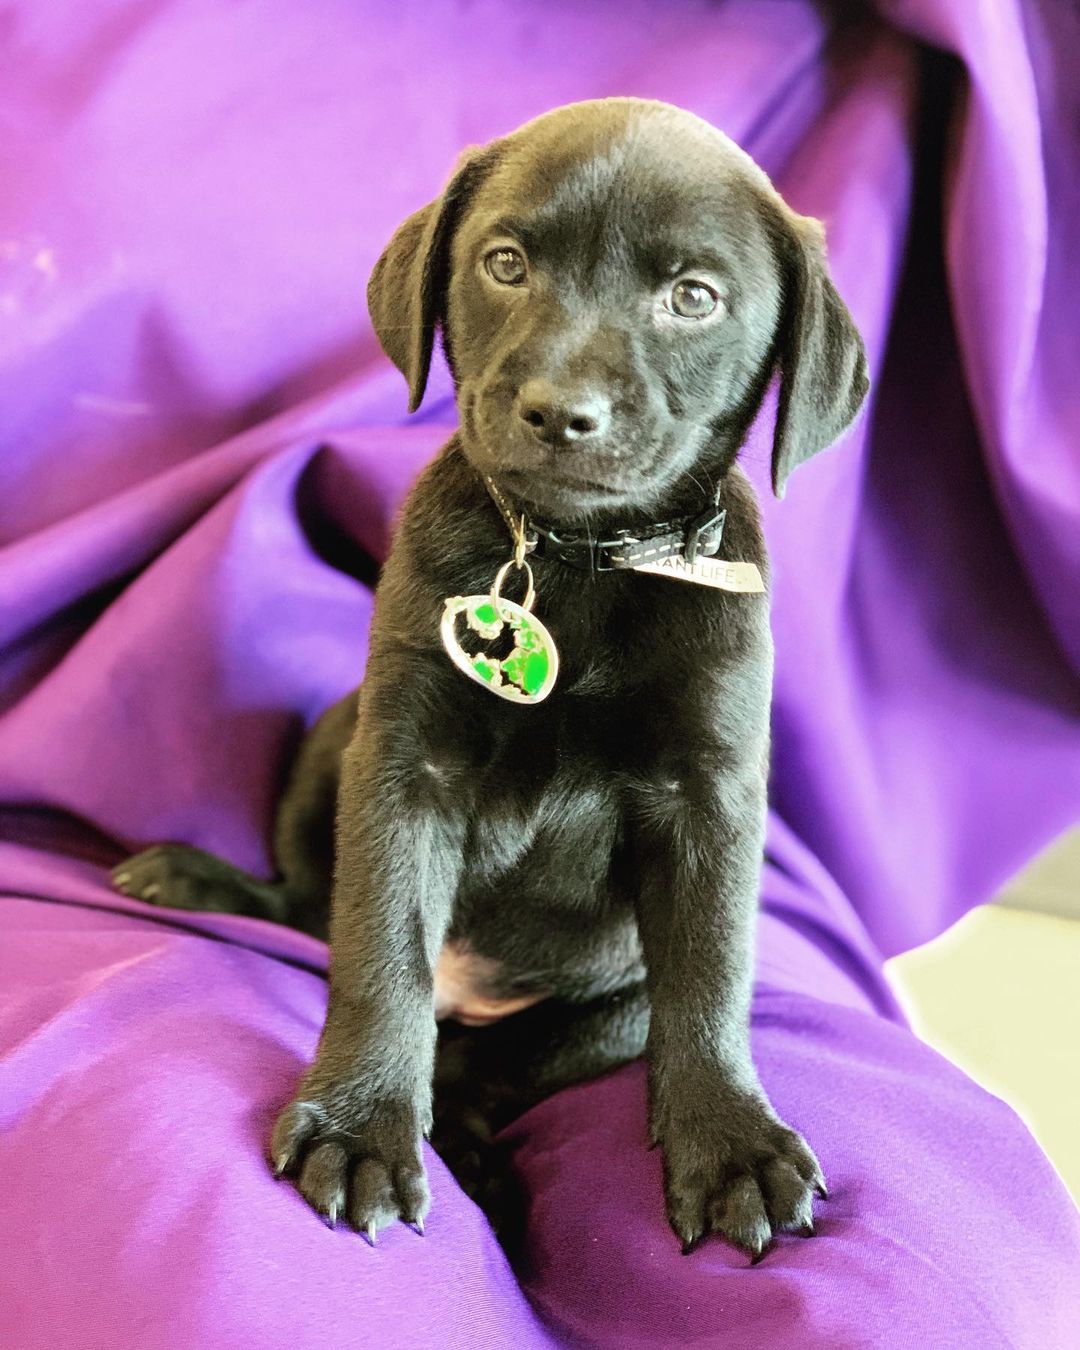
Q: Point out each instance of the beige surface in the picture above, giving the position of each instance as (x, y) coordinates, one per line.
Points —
(999, 995)
(1051, 883)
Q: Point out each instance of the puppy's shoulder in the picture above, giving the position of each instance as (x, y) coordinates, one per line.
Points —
(449, 539)
(446, 492)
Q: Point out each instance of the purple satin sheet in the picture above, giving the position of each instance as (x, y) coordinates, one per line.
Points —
(201, 452)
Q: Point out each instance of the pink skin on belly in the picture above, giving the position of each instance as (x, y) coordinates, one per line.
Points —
(460, 980)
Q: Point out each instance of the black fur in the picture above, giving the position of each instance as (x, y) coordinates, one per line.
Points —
(603, 848)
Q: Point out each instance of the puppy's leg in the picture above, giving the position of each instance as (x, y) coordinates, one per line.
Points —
(731, 1165)
(352, 1136)
(488, 1076)
(177, 876)
(180, 877)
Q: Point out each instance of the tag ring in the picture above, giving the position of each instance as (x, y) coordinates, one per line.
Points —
(500, 577)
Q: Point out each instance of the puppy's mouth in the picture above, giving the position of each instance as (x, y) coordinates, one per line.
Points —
(562, 497)
(557, 480)
(561, 484)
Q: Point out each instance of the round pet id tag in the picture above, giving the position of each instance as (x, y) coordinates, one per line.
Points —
(525, 674)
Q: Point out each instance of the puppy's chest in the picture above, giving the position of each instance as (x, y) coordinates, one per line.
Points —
(549, 778)
(635, 633)
(552, 785)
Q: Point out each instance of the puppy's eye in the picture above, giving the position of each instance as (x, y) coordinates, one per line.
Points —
(506, 266)
(691, 299)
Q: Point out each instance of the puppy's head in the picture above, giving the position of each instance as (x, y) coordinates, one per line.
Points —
(616, 282)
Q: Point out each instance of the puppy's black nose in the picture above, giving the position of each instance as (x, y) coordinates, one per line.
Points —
(563, 416)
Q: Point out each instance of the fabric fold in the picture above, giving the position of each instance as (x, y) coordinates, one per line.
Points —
(202, 453)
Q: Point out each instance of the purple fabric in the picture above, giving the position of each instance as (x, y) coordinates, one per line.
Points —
(201, 451)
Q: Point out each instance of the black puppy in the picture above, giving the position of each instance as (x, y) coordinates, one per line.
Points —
(616, 283)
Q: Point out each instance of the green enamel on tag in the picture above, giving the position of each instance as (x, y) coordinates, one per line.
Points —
(527, 674)
(484, 668)
(482, 618)
(527, 669)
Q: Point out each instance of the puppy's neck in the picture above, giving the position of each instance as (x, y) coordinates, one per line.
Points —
(687, 497)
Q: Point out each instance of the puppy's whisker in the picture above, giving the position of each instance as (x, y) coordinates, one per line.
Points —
(697, 481)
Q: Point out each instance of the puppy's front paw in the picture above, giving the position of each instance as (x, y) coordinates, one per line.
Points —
(361, 1162)
(744, 1175)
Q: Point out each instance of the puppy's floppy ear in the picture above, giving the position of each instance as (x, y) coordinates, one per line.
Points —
(407, 292)
(822, 363)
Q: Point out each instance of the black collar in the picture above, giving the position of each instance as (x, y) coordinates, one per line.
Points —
(689, 537)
